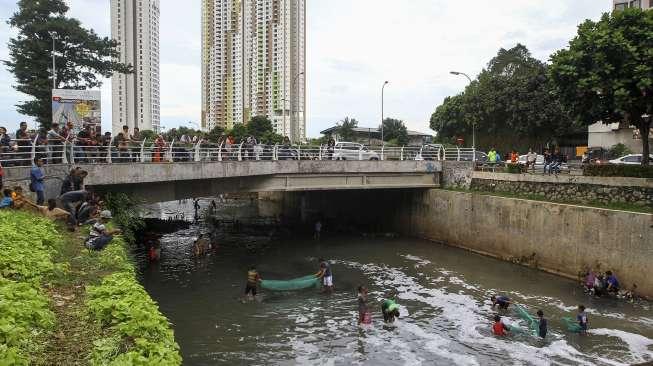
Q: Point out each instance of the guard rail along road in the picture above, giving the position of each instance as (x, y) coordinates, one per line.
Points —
(75, 152)
(165, 172)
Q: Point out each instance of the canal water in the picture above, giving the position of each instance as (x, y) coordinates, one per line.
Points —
(443, 292)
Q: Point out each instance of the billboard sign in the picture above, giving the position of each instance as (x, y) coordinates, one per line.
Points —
(81, 107)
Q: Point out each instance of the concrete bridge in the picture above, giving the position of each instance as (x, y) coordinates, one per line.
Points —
(157, 182)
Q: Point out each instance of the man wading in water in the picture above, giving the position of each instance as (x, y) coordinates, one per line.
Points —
(326, 276)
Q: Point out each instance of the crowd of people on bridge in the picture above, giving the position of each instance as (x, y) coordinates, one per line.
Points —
(90, 145)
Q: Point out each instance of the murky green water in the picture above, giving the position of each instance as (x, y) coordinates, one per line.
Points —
(444, 294)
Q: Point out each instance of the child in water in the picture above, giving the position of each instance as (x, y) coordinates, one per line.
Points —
(543, 326)
(582, 319)
(390, 309)
(498, 328)
(363, 313)
(253, 278)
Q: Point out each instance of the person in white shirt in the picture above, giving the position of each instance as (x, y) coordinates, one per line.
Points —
(531, 159)
(100, 236)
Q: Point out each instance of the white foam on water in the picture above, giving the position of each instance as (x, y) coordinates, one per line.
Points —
(420, 261)
(465, 313)
(639, 346)
(436, 344)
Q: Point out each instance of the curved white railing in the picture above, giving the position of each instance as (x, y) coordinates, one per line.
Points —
(77, 151)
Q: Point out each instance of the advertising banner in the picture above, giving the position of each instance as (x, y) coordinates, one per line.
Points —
(81, 107)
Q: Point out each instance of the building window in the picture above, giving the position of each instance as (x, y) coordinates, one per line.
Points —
(620, 6)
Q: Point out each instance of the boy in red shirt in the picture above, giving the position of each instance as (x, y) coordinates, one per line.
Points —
(498, 328)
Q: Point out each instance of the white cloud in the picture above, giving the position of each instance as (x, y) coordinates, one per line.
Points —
(353, 46)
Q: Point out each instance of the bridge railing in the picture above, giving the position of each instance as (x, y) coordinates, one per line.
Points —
(79, 151)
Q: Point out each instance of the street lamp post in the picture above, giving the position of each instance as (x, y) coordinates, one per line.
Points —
(457, 73)
(382, 117)
(54, 65)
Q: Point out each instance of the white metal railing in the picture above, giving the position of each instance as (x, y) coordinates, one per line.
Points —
(76, 151)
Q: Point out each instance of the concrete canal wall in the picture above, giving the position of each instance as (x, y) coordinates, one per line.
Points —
(559, 238)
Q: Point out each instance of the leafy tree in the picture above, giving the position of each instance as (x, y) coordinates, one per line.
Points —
(259, 126)
(448, 119)
(271, 138)
(395, 130)
(239, 132)
(177, 133)
(148, 134)
(125, 214)
(82, 56)
(345, 129)
(215, 134)
(619, 150)
(606, 74)
(510, 104)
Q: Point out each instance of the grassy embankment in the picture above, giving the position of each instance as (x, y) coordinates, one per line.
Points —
(61, 304)
(535, 197)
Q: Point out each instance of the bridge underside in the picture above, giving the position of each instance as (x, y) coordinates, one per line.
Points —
(175, 190)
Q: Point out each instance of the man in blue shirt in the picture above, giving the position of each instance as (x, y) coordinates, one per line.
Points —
(6, 201)
(501, 301)
(36, 177)
(613, 283)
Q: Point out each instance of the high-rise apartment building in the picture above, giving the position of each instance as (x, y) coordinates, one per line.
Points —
(135, 97)
(253, 63)
(623, 4)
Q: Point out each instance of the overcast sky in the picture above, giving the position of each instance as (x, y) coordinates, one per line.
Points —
(353, 46)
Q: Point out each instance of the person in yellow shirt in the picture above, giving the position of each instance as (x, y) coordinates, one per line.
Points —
(17, 196)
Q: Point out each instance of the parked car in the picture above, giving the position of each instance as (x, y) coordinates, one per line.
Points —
(430, 152)
(631, 159)
(539, 163)
(353, 151)
(477, 156)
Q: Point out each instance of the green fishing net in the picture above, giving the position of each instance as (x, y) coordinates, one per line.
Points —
(571, 324)
(291, 285)
(533, 323)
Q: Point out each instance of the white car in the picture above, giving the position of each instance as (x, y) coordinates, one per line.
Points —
(353, 151)
(632, 159)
